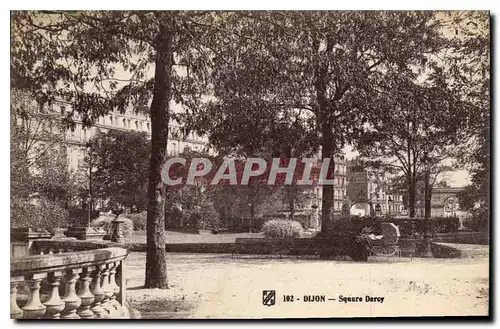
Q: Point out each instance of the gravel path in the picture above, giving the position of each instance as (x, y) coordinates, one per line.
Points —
(217, 286)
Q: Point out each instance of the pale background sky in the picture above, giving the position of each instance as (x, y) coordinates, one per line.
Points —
(457, 178)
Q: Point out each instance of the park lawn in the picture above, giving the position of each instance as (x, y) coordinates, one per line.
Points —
(179, 237)
(219, 286)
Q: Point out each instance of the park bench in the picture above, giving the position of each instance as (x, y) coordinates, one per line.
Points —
(306, 246)
(278, 247)
(261, 246)
(333, 245)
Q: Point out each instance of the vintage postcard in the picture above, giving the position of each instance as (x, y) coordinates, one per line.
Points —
(249, 164)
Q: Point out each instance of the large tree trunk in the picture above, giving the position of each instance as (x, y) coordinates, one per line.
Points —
(252, 208)
(327, 140)
(411, 195)
(291, 204)
(427, 203)
(327, 199)
(156, 267)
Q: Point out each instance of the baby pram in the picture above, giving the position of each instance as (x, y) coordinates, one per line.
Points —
(381, 239)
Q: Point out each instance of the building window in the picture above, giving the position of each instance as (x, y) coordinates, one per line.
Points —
(147, 126)
(124, 125)
(136, 125)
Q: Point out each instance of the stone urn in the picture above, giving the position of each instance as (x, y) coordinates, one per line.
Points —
(117, 234)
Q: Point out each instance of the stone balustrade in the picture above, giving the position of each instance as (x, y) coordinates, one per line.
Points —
(69, 279)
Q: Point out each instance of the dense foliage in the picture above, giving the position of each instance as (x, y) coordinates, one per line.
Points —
(42, 190)
(119, 162)
(282, 229)
(104, 222)
(296, 82)
(41, 213)
(139, 220)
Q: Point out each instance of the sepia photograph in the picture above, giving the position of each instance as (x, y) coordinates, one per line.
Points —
(250, 164)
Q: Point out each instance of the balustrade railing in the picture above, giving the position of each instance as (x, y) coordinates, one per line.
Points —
(69, 279)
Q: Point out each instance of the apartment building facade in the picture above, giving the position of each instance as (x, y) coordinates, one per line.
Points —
(369, 193)
(77, 139)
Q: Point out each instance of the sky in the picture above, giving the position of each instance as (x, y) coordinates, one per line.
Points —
(457, 178)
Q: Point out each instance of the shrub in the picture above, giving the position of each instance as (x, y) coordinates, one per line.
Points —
(244, 224)
(282, 229)
(209, 216)
(104, 222)
(479, 221)
(139, 220)
(444, 224)
(42, 214)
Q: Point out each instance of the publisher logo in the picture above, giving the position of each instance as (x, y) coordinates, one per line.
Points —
(269, 297)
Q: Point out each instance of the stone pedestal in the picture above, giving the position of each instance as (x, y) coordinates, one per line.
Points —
(461, 225)
(58, 233)
(117, 226)
(85, 233)
(314, 224)
(22, 239)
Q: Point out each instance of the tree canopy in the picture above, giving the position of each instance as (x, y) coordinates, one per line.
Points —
(324, 73)
(119, 162)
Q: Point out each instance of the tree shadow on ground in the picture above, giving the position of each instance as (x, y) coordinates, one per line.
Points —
(165, 309)
(160, 303)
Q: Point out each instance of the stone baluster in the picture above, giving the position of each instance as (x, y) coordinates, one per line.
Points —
(116, 288)
(98, 292)
(54, 304)
(34, 308)
(121, 280)
(15, 311)
(108, 291)
(86, 296)
(70, 298)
